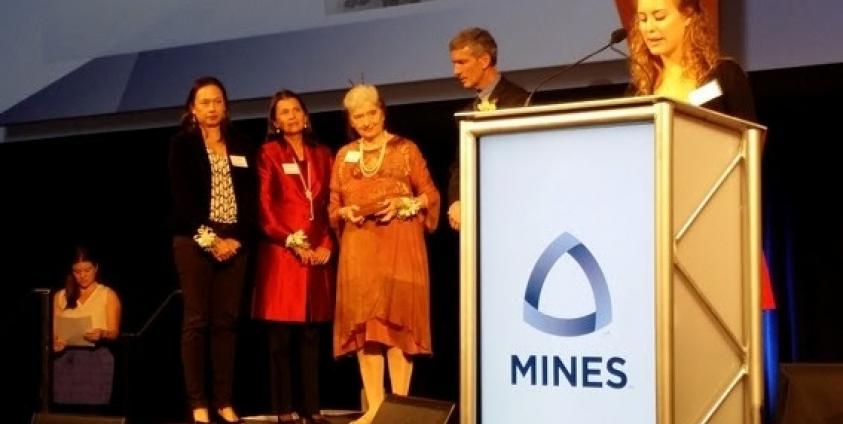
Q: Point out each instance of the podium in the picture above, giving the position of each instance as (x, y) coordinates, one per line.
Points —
(609, 265)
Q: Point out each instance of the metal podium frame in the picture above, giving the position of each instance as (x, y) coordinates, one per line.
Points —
(707, 260)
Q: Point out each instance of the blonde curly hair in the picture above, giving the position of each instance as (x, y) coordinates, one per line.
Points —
(700, 53)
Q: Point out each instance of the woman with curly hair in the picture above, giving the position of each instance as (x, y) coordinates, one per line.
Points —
(674, 54)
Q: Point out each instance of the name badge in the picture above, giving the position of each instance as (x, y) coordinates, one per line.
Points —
(709, 91)
(352, 156)
(238, 161)
(291, 168)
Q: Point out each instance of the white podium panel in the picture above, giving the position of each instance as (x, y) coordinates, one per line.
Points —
(565, 248)
(609, 264)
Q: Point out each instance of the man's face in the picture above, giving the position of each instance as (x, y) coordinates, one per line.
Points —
(470, 68)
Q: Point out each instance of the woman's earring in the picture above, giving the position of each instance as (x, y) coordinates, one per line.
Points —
(277, 130)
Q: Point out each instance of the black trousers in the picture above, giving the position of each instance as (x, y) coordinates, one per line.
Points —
(284, 338)
(212, 293)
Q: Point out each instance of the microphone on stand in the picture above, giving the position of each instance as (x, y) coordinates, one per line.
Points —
(617, 36)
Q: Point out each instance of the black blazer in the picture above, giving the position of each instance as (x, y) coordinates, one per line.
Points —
(190, 185)
(736, 98)
(506, 94)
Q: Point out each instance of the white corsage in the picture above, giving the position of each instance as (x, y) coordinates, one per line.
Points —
(205, 237)
(297, 240)
(408, 207)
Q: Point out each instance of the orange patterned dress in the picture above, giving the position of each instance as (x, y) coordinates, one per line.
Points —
(383, 287)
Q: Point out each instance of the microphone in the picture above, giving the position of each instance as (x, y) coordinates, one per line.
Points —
(617, 36)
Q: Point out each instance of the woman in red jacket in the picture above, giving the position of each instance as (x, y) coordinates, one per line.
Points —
(294, 290)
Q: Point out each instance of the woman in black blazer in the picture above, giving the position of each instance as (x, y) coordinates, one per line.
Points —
(213, 193)
(673, 54)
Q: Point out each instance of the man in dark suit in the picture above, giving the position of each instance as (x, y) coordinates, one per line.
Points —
(474, 54)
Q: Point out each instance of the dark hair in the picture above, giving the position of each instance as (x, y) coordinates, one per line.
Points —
(478, 40)
(272, 132)
(187, 122)
(71, 288)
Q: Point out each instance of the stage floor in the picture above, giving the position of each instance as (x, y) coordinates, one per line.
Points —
(333, 417)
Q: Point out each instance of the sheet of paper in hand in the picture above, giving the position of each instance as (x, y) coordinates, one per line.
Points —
(72, 330)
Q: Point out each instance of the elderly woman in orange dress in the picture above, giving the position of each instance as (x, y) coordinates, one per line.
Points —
(382, 202)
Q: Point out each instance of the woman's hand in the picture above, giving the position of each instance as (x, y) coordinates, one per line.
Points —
(454, 215)
(219, 250)
(318, 256)
(94, 335)
(233, 247)
(390, 208)
(348, 213)
(225, 249)
(58, 344)
(304, 254)
(321, 256)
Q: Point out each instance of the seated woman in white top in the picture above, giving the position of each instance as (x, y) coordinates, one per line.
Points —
(83, 368)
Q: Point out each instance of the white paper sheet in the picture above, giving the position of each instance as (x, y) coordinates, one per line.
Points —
(71, 330)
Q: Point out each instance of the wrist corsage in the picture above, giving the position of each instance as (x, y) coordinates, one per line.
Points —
(205, 237)
(408, 207)
(297, 240)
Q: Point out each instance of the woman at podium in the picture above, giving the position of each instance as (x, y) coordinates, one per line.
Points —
(673, 54)
(382, 202)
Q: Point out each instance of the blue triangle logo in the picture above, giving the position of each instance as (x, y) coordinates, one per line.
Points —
(586, 324)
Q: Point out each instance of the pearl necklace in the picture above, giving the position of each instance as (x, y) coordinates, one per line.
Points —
(370, 171)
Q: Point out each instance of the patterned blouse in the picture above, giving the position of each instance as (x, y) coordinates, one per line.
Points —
(223, 202)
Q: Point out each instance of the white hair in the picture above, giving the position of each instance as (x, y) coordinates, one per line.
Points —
(360, 95)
